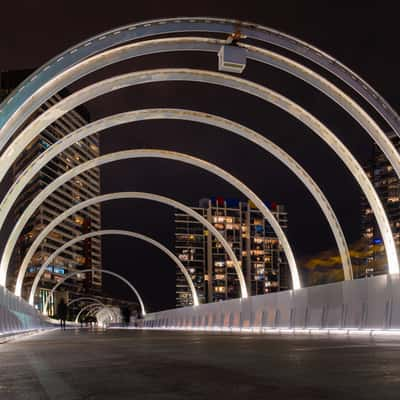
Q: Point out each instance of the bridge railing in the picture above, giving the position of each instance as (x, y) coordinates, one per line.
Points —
(362, 304)
(16, 315)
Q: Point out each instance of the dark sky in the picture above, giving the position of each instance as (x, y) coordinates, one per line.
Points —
(364, 38)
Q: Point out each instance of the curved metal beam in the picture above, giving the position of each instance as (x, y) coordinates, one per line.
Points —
(99, 125)
(108, 310)
(123, 195)
(135, 235)
(138, 154)
(274, 98)
(87, 307)
(16, 107)
(260, 35)
(272, 59)
(104, 271)
(260, 55)
(255, 53)
(92, 299)
(82, 299)
(28, 212)
(93, 311)
(108, 317)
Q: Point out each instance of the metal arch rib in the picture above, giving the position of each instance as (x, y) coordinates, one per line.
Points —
(114, 232)
(255, 53)
(88, 307)
(95, 310)
(210, 119)
(126, 195)
(83, 299)
(262, 56)
(275, 99)
(92, 299)
(104, 41)
(280, 101)
(111, 315)
(28, 212)
(104, 271)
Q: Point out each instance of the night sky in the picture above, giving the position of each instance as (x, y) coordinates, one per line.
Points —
(364, 38)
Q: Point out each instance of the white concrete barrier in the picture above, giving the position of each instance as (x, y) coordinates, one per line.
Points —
(16, 315)
(362, 304)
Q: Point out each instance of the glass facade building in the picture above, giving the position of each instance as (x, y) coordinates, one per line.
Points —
(254, 243)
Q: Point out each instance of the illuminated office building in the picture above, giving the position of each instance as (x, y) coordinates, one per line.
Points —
(82, 255)
(254, 243)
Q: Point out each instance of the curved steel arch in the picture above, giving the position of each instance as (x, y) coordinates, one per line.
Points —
(87, 307)
(82, 299)
(100, 304)
(108, 310)
(16, 106)
(272, 97)
(209, 119)
(261, 33)
(114, 232)
(255, 53)
(291, 67)
(111, 313)
(131, 195)
(104, 271)
(28, 212)
(93, 311)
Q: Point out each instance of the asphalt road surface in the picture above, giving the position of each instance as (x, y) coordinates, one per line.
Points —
(118, 364)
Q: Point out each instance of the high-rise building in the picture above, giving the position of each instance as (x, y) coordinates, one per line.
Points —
(252, 239)
(387, 185)
(82, 255)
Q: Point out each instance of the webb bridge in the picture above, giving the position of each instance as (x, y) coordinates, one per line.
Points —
(354, 305)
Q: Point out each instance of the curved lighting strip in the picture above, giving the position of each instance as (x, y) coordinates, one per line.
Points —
(16, 107)
(273, 59)
(105, 316)
(93, 311)
(104, 271)
(102, 307)
(88, 307)
(145, 153)
(135, 235)
(252, 52)
(310, 51)
(91, 299)
(122, 195)
(82, 299)
(138, 115)
(268, 95)
(110, 311)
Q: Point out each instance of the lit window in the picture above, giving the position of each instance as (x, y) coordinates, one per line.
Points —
(79, 220)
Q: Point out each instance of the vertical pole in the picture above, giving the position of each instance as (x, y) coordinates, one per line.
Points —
(248, 251)
(209, 257)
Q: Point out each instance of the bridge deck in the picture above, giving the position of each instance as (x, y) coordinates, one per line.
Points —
(119, 364)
